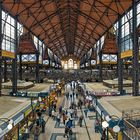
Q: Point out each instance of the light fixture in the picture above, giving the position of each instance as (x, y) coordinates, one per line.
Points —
(105, 124)
(39, 99)
(116, 129)
(9, 126)
(108, 118)
(11, 121)
(104, 90)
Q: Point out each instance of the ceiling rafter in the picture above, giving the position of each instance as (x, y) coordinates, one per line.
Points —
(109, 7)
(76, 24)
(61, 20)
(83, 21)
(49, 21)
(92, 19)
(49, 28)
(100, 19)
(44, 19)
(90, 29)
(85, 25)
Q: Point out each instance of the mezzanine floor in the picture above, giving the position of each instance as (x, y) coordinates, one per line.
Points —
(115, 105)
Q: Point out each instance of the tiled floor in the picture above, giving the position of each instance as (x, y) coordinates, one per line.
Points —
(60, 136)
(56, 132)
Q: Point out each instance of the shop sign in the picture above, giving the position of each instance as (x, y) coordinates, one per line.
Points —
(8, 54)
(19, 119)
(98, 110)
(43, 94)
(2, 138)
(33, 94)
(3, 132)
(126, 54)
(28, 111)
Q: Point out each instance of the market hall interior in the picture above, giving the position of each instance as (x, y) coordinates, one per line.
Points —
(69, 69)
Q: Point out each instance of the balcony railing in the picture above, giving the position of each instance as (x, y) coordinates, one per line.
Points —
(132, 124)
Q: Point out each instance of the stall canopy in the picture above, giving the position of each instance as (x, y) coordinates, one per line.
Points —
(93, 55)
(67, 27)
(110, 44)
(26, 44)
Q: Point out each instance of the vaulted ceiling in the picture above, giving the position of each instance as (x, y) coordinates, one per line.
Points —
(67, 27)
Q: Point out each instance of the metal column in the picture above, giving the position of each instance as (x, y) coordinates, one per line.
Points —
(37, 67)
(90, 68)
(49, 61)
(5, 70)
(0, 46)
(42, 57)
(14, 61)
(90, 64)
(135, 62)
(84, 65)
(120, 61)
(100, 66)
(20, 66)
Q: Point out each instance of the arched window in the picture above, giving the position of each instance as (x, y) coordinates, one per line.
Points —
(75, 66)
(70, 63)
(65, 66)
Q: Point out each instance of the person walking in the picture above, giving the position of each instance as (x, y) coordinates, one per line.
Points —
(67, 96)
(75, 113)
(71, 96)
(81, 120)
(64, 118)
(54, 106)
(58, 118)
(103, 135)
(53, 114)
(50, 111)
(26, 133)
(66, 132)
(69, 123)
(85, 112)
(36, 132)
(43, 125)
(77, 95)
(60, 109)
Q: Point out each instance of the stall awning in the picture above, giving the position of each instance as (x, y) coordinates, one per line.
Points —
(26, 44)
(110, 44)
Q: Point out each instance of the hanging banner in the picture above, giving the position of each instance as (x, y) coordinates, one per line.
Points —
(126, 54)
(8, 54)
(109, 62)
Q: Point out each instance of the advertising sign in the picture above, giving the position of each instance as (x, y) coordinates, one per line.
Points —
(3, 132)
(8, 54)
(19, 119)
(28, 111)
